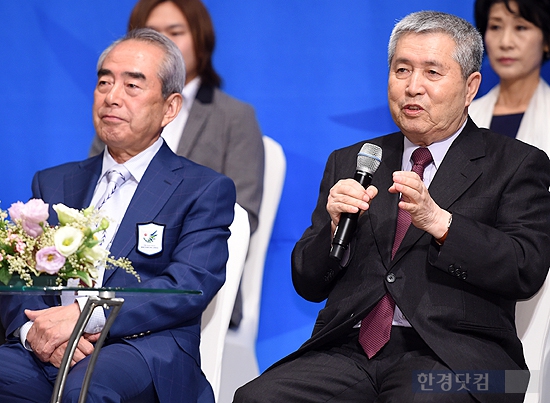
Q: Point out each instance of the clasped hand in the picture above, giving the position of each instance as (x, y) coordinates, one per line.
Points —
(348, 196)
(50, 333)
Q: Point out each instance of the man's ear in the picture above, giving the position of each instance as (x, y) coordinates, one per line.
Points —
(472, 84)
(172, 107)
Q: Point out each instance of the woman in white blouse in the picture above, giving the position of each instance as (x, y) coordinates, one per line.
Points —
(517, 41)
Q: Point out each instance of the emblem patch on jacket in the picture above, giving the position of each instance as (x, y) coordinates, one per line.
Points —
(150, 238)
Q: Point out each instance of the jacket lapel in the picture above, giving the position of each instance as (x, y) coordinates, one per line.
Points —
(383, 210)
(455, 175)
(158, 181)
(79, 187)
(196, 120)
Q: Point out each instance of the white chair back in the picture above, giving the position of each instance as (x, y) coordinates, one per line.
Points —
(216, 317)
(533, 323)
(240, 364)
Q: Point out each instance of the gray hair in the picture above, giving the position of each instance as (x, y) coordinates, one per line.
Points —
(469, 44)
(172, 67)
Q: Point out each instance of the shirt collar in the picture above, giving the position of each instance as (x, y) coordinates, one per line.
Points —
(438, 149)
(137, 165)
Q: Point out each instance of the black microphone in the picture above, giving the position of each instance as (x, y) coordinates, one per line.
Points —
(368, 161)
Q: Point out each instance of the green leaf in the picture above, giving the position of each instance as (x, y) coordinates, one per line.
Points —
(5, 275)
(89, 243)
(85, 277)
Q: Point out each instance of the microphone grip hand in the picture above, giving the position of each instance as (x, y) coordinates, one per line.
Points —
(347, 199)
(347, 222)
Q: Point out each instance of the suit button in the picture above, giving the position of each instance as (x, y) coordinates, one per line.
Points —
(390, 278)
(452, 269)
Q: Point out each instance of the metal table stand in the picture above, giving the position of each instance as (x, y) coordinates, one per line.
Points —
(107, 300)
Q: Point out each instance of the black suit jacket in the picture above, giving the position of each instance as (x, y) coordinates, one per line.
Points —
(460, 297)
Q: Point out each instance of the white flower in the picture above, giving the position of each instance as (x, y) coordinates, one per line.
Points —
(67, 240)
(66, 215)
(95, 255)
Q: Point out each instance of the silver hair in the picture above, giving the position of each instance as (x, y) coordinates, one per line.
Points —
(172, 67)
(469, 44)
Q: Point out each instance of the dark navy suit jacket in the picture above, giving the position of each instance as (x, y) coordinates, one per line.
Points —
(195, 204)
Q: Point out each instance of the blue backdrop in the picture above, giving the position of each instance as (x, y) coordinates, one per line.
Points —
(315, 71)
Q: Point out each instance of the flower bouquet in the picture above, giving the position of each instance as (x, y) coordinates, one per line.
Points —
(29, 247)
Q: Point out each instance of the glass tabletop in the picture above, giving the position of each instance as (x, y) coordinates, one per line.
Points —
(4, 289)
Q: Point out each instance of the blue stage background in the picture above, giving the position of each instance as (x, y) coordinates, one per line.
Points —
(315, 71)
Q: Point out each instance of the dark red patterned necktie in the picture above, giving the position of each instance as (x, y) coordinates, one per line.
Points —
(376, 327)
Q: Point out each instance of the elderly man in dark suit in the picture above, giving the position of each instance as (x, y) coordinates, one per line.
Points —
(426, 291)
(152, 351)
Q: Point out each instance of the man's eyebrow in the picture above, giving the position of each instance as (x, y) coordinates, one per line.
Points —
(131, 74)
(104, 72)
(134, 74)
(430, 62)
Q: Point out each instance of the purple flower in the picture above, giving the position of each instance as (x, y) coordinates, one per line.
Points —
(49, 260)
(31, 215)
(15, 211)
